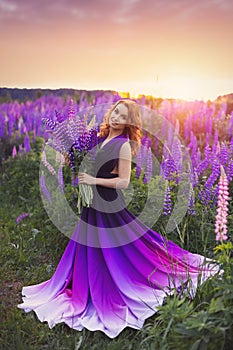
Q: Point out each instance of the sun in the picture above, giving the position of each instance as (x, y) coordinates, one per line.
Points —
(186, 89)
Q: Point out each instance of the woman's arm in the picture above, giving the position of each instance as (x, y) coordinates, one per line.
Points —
(124, 170)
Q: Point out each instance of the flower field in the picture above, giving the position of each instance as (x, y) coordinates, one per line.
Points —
(183, 170)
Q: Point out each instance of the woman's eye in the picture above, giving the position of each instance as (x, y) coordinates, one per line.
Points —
(116, 111)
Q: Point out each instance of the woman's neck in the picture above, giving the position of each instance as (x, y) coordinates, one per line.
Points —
(113, 133)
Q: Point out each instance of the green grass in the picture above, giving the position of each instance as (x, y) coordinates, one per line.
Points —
(31, 250)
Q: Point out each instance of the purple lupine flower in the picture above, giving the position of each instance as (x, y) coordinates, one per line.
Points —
(60, 179)
(224, 153)
(148, 170)
(214, 175)
(92, 139)
(91, 143)
(20, 150)
(74, 128)
(194, 178)
(191, 202)
(49, 122)
(177, 155)
(10, 127)
(230, 170)
(70, 112)
(71, 159)
(59, 117)
(83, 139)
(77, 146)
(144, 159)
(205, 196)
(139, 163)
(215, 141)
(21, 217)
(169, 168)
(61, 138)
(196, 158)
(167, 165)
(27, 146)
(166, 152)
(2, 125)
(202, 166)
(44, 188)
(230, 125)
(146, 142)
(167, 204)
(193, 144)
(56, 139)
(75, 183)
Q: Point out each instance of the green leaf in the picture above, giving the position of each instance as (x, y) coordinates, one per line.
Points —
(216, 305)
(195, 346)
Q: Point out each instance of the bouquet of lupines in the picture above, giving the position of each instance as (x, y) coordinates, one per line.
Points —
(81, 157)
(76, 139)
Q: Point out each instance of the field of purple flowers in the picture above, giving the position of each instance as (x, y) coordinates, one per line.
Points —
(187, 151)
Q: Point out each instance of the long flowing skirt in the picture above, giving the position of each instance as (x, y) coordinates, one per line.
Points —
(114, 273)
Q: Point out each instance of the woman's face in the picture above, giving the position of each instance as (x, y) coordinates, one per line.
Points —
(119, 117)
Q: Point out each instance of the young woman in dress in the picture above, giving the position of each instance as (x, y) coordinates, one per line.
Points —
(115, 270)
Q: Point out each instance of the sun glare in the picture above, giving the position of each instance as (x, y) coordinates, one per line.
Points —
(189, 89)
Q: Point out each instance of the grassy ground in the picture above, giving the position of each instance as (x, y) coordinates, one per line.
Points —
(31, 249)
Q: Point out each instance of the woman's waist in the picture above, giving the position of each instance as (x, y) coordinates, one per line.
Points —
(108, 198)
(107, 175)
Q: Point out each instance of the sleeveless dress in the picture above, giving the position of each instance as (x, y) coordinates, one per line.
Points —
(115, 271)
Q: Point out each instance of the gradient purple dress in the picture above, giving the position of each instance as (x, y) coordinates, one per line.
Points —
(115, 270)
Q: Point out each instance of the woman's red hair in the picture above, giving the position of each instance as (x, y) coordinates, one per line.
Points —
(133, 128)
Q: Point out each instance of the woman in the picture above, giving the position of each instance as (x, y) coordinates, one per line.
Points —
(115, 271)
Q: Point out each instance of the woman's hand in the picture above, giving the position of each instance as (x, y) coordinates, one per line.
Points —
(87, 179)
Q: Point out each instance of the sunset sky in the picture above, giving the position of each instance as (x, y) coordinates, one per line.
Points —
(166, 48)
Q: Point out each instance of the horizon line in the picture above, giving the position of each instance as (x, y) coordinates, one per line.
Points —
(117, 91)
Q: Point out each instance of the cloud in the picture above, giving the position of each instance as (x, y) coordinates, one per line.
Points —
(121, 12)
(182, 9)
(61, 8)
(7, 6)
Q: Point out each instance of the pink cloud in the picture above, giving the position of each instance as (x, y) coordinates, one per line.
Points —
(121, 11)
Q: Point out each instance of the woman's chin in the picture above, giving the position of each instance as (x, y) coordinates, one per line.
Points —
(117, 127)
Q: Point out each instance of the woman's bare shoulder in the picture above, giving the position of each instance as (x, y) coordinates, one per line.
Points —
(125, 150)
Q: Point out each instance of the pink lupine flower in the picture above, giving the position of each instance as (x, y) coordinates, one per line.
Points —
(14, 152)
(222, 210)
(47, 164)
